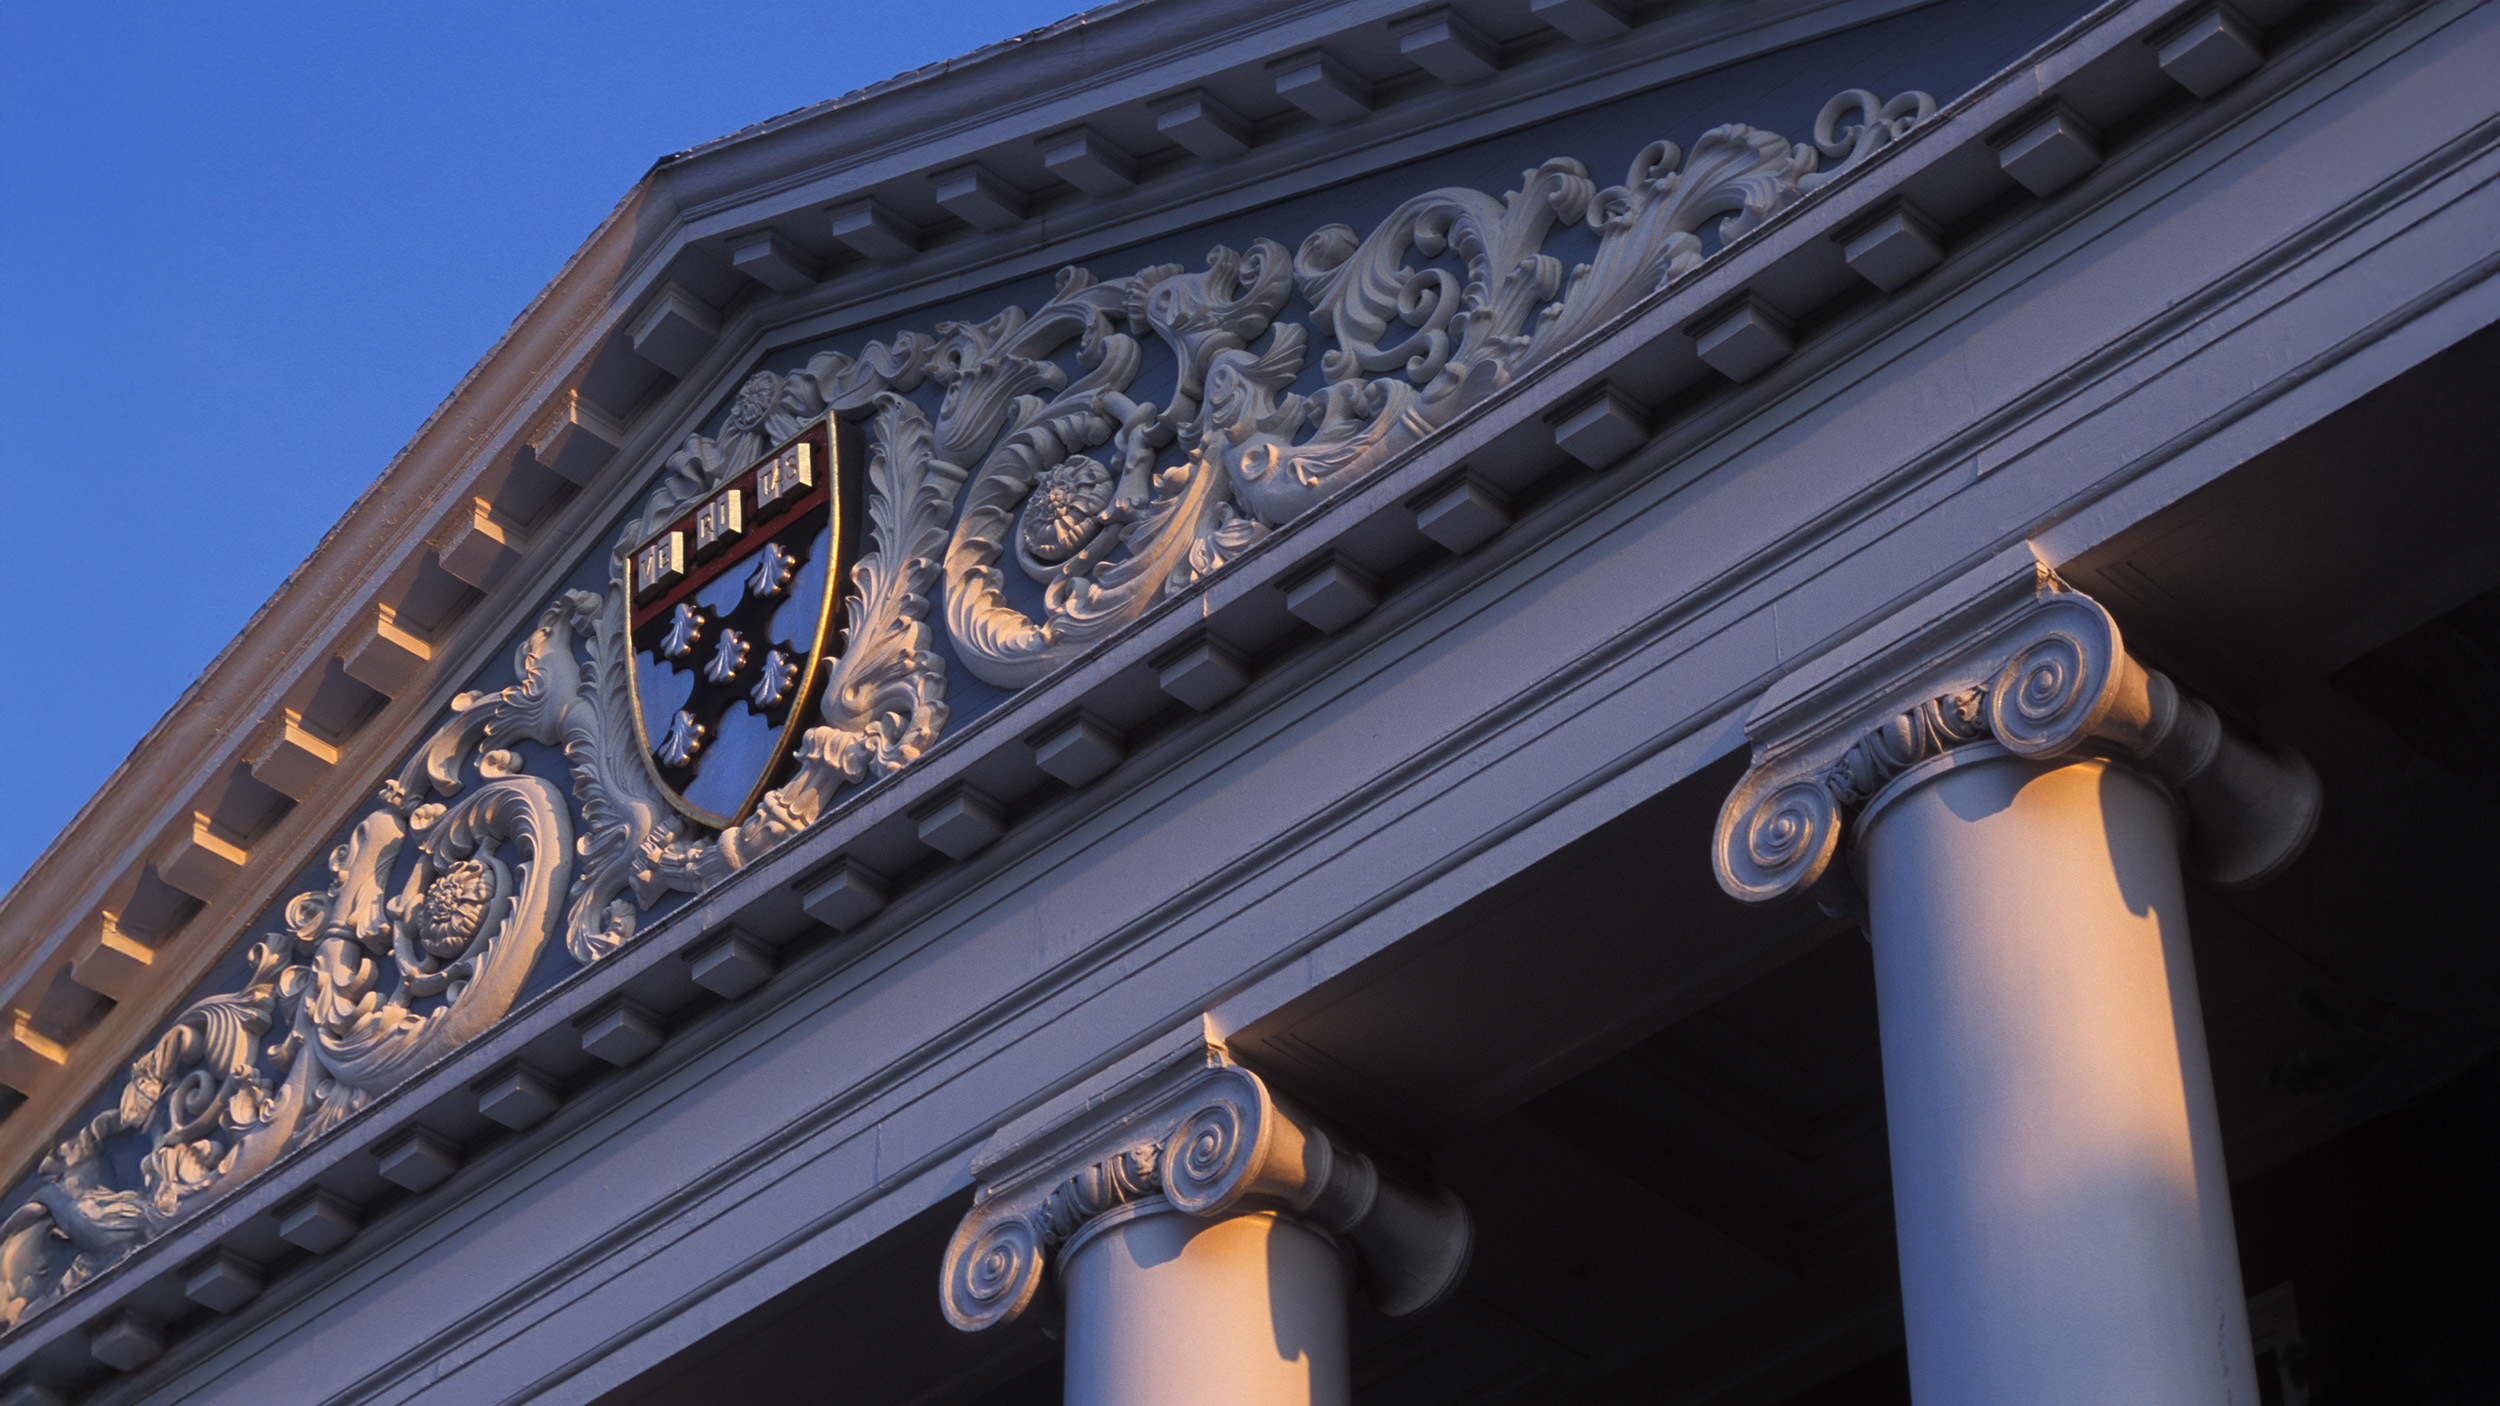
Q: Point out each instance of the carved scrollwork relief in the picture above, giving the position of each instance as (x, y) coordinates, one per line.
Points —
(2053, 680)
(1045, 453)
(1220, 1143)
(361, 987)
(997, 1274)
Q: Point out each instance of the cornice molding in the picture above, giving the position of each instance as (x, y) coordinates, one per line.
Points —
(2010, 657)
(1209, 1137)
(999, 111)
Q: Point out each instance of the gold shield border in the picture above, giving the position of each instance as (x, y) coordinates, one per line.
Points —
(837, 582)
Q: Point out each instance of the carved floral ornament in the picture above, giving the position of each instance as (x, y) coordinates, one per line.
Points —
(2052, 680)
(1046, 454)
(1219, 1144)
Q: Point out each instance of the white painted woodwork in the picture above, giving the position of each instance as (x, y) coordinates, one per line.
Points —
(27, 1055)
(774, 262)
(223, 1283)
(1894, 249)
(732, 966)
(845, 898)
(1449, 48)
(1241, 1310)
(293, 759)
(1463, 516)
(871, 228)
(574, 439)
(1088, 160)
(387, 654)
(1080, 751)
(419, 1161)
(127, 1343)
(622, 1034)
(2052, 153)
(2209, 53)
(1202, 1232)
(1600, 432)
(481, 544)
(320, 1222)
(200, 861)
(979, 197)
(675, 331)
(2065, 1226)
(961, 825)
(1322, 87)
(1333, 597)
(111, 962)
(519, 1097)
(1584, 21)
(1747, 341)
(2137, 268)
(1203, 127)
(1204, 674)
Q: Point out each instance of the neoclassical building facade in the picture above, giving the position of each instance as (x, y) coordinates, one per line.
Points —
(1513, 701)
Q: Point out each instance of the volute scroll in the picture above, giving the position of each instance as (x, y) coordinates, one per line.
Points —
(1214, 1143)
(2049, 678)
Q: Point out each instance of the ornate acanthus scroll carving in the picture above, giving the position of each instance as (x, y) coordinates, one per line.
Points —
(1445, 302)
(368, 981)
(1046, 454)
(1212, 1140)
(2051, 679)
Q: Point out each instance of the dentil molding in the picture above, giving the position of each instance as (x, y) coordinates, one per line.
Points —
(2028, 664)
(1212, 1139)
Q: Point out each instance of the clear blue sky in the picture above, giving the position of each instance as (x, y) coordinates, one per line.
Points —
(245, 249)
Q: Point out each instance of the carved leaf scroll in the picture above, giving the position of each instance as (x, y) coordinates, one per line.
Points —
(1111, 495)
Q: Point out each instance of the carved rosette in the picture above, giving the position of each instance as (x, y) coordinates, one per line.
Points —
(2050, 678)
(1215, 1144)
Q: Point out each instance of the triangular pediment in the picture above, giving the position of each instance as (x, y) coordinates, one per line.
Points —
(1134, 361)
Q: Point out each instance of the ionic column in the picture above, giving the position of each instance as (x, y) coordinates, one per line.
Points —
(2010, 822)
(1199, 1235)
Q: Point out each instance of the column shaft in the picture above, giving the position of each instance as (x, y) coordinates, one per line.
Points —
(2065, 1224)
(1167, 1309)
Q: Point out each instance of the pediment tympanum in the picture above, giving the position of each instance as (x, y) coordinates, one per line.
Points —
(1001, 495)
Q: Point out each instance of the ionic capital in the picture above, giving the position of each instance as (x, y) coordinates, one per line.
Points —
(2026, 663)
(1209, 1137)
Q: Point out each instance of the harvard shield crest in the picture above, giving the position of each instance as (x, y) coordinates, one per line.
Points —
(732, 620)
